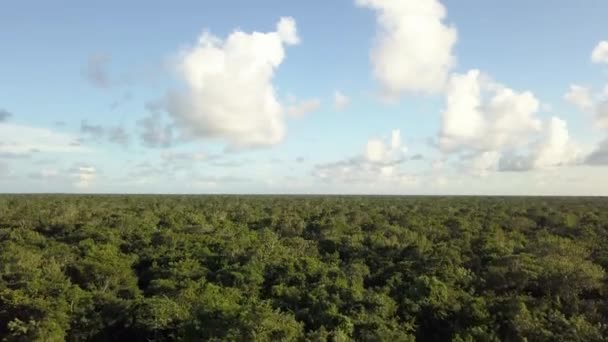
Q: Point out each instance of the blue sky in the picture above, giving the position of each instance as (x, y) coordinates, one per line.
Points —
(436, 97)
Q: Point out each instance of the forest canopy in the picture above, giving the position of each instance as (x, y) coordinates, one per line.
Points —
(302, 268)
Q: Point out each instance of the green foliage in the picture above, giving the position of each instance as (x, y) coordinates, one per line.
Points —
(277, 268)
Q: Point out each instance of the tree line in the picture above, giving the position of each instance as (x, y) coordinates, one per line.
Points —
(302, 268)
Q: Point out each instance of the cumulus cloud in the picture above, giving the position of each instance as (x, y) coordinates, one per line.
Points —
(229, 92)
(483, 115)
(379, 161)
(586, 100)
(83, 176)
(600, 53)
(555, 148)
(413, 47)
(96, 70)
(380, 151)
(302, 108)
(580, 97)
(341, 101)
(495, 128)
(600, 155)
(4, 115)
(481, 164)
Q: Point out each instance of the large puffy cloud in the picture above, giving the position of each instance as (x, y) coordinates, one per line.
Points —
(555, 148)
(483, 115)
(495, 128)
(229, 92)
(600, 155)
(413, 48)
(600, 53)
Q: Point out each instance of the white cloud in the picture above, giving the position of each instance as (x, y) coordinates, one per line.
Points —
(600, 53)
(341, 101)
(379, 162)
(580, 97)
(588, 101)
(385, 152)
(84, 176)
(483, 163)
(495, 128)
(555, 148)
(230, 93)
(21, 139)
(288, 31)
(413, 48)
(482, 115)
(302, 108)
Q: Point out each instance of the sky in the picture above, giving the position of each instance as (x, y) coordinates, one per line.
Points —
(403, 97)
